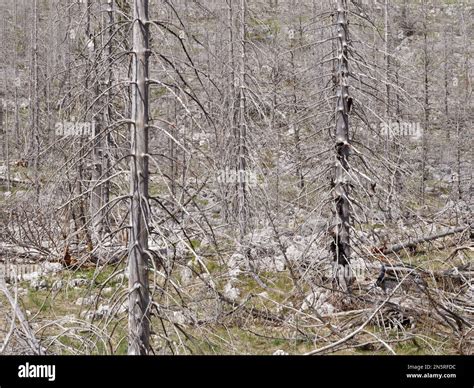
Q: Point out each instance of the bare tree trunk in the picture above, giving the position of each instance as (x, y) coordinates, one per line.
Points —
(387, 59)
(4, 134)
(341, 244)
(426, 109)
(4, 122)
(227, 192)
(296, 129)
(106, 150)
(446, 87)
(458, 161)
(242, 207)
(34, 103)
(97, 144)
(139, 299)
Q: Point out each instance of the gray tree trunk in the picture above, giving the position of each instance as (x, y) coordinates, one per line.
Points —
(426, 108)
(97, 153)
(139, 299)
(242, 207)
(341, 244)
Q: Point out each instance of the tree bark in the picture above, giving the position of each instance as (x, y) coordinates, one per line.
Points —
(341, 244)
(242, 207)
(139, 299)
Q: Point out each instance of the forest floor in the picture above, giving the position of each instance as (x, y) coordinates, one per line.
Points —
(84, 311)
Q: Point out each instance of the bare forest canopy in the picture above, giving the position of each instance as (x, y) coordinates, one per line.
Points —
(236, 177)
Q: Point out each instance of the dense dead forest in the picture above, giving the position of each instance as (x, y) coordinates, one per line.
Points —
(236, 177)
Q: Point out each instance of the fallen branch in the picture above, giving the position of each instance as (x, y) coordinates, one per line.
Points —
(413, 243)
(456, 250)
(31, 339)
(361, 327)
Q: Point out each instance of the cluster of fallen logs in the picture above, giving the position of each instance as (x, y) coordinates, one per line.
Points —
(407, 301)
(443, 297)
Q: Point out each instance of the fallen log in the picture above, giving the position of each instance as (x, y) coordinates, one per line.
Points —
(413, 243)
(14, 181)
(10, 250)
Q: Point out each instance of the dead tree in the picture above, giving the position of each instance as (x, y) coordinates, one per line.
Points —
(139, 299)
(242, 205)
(341, 246)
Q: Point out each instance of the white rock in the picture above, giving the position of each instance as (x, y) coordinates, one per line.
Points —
(48, 267)
(326, 309)
(102, 311)
(32, 276)
(108, 290)
(280, 263)
(87, 301)
(181, 249)
(178, 317)
(234, 265)
(78, 282)
(231, 292)
(58, 285)
(22, 291)
(39, 284)
(315, 300)
(186, 274)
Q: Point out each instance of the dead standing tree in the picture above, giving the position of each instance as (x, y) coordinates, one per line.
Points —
(341, 245)
(242, 194)
(139, 298)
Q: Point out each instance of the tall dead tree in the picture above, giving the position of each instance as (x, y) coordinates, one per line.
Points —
(34, 98)
(242, 194)
(97, 146)
(341, 246)
(426, 105)
(139, 299)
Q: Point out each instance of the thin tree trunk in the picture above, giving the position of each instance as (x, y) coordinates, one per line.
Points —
(139, 299)
(341, 244)
(426, 109)
(242, 207)
(106, 151)
(387, 59)
(34, 103)
(446, 87)
(296, 129)
(97, 152)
